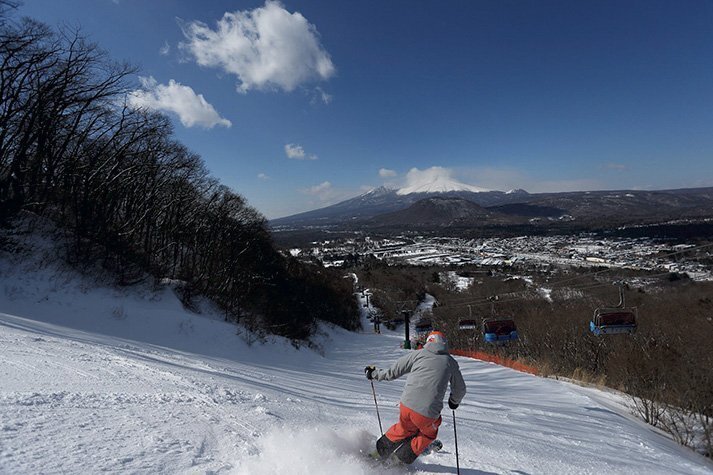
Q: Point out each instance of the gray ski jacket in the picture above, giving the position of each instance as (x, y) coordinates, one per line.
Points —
(429, 372)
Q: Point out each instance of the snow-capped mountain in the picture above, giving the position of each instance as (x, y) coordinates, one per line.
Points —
(386, 200)
(610, 208)
(439, 184)
(380, 191)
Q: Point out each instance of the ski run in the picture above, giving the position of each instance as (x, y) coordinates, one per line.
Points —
(95, 379)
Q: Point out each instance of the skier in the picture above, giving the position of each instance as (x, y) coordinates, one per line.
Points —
(377, 323)
(430, 371)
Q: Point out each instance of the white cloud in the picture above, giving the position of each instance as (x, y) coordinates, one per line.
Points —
(165, 49)
(416, 176)
(191, 108)
(324, 192)
(296, 152)
(263, 176)
(435, 179)
(386, 173)
(266, 48)
(320, 189)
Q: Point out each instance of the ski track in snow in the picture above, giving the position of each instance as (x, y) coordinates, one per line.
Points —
(84, 392)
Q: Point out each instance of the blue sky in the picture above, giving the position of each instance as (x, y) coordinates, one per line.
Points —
(306, 103)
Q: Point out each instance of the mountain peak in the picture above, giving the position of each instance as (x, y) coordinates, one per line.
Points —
(517, 191)
(439, 184)
(379, 191)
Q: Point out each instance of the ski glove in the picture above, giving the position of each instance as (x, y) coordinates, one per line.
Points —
(368, 370)
(452, 405)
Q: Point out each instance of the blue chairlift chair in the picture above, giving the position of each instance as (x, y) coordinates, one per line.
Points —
(499, 330)
(614, 320)
(609, 321)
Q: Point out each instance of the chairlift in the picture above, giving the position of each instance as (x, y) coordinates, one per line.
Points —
(614, 320)
(469, 327)
(468, 324)
(499, 330)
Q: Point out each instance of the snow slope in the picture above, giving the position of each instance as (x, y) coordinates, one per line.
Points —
(152, 388)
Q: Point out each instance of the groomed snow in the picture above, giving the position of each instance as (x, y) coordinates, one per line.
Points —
(153, 388)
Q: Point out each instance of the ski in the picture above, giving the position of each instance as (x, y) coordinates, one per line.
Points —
(433, 447)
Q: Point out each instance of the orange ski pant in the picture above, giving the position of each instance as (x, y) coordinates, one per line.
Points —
(423, 429)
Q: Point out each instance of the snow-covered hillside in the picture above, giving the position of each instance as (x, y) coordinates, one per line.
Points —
(94, 379)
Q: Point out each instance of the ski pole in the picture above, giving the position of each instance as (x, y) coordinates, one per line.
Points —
(373, 391)
(455, 434)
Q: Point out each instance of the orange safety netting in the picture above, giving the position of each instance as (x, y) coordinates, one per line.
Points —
(480, 355)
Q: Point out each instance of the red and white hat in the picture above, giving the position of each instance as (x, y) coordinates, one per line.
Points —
(436, 337)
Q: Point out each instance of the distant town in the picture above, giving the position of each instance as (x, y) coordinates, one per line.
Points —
(585, 250)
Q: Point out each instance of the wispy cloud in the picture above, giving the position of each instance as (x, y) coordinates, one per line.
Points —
(386, 173)
(321, 95)
(322, 188)
(265, 48)
(323, 191)
(505, 178)
(165, 49)
(616, 166)
(297, 152)
(263, 176)
(192, 109)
